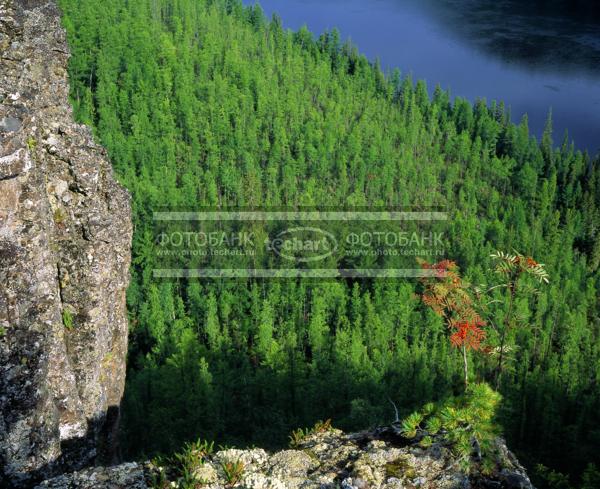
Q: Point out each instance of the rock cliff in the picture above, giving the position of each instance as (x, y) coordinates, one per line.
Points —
(65, 234)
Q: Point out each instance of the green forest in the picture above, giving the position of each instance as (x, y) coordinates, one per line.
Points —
(209, 103)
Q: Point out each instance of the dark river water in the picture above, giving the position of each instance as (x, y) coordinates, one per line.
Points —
(535, 55)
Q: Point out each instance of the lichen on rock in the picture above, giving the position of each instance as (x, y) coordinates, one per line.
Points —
(331, 459)
(65, 234)
(125, 476)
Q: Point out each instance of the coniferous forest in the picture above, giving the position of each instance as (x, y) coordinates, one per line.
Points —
(209, 103)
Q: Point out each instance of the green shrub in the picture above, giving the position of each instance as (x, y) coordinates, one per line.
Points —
(182, 466)
(67, 319)
(233, 471)
(300, 434)
(465, 424)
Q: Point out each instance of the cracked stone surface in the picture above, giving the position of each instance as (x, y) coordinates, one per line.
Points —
(65, 235)
(379, 459)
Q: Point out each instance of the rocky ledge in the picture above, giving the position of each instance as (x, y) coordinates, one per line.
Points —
(325, 460)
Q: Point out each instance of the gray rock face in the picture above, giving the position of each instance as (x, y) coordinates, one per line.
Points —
(124, 476)
(323, 460)
(65, 234)
(334, 460)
